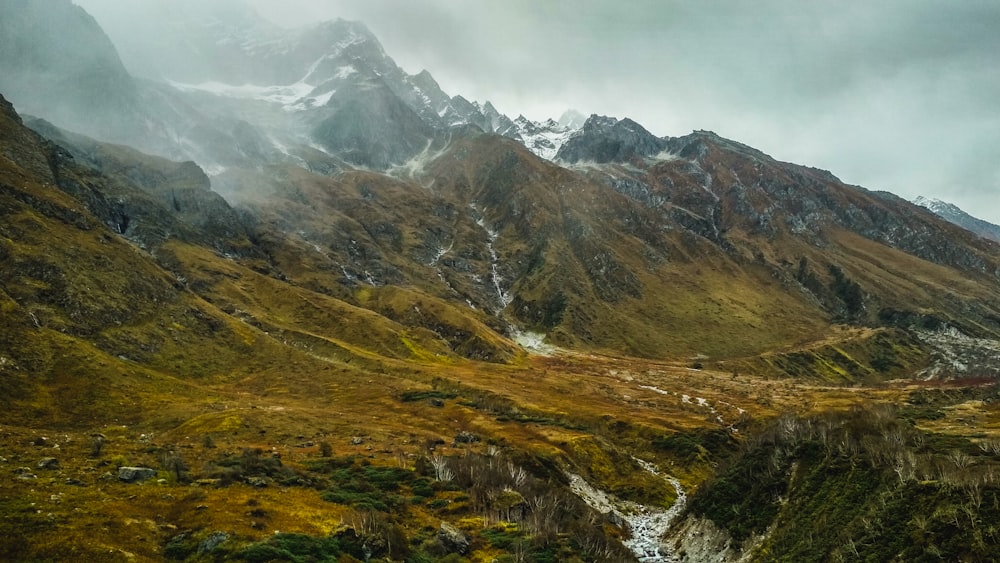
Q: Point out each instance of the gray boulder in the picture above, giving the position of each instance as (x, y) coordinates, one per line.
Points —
(48, 463)
(135, 474)
(453, 539)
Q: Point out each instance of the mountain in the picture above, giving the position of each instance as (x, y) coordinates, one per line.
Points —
(578, 251)
(606, 139)
(312, 292)
(953, 214)
(240, 91)
(57, 60)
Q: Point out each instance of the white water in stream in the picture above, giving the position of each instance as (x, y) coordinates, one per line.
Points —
(495, 278)
(646, 524)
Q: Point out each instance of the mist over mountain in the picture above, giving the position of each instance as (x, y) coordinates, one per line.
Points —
(319, 293)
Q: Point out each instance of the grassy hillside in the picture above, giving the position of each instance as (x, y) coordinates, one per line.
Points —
(328, 372)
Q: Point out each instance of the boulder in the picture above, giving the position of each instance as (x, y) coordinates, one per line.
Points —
(135, 474)
(258, 482)
(48, 463)
(466, 437)
(453, 539)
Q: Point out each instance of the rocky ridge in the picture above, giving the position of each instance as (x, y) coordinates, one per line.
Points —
(954, 214)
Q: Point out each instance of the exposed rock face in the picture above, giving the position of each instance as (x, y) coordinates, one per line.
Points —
(699, 540)
(606, 139)
(466, 437)
(215, 539)
(135, 474)
(372, 127)
(182, 190)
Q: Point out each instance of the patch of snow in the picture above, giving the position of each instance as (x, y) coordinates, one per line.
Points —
(345, 71)
(533, 342)
(956, 354)
(441, 251)
(657, 390)
(665, 156)
(416, 165)
(312, 68)
(282, 95)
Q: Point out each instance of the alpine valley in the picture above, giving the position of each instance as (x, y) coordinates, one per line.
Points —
(288, 302)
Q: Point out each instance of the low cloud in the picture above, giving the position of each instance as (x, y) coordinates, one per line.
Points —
(895, 95)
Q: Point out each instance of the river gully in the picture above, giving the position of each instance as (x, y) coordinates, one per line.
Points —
(646, 524)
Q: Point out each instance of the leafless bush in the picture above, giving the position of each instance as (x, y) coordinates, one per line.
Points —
(441, 470)
(990, 446)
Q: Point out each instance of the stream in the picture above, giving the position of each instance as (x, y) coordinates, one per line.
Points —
(495, 279)
(647, 524)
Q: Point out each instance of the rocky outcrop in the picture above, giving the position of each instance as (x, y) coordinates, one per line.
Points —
(699, 540)
(372, 127)
(48, 463)
(606, 139)
(453, 539)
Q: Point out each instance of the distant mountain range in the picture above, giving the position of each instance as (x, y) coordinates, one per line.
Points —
(581, 229)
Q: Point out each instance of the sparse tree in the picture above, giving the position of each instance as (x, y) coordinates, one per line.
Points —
(174, 463)
(517, 474)
(441, 470)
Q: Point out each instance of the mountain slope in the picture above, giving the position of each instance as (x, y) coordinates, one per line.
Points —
(57, 61)
(953, 214)
(583, 254)
(72, 281)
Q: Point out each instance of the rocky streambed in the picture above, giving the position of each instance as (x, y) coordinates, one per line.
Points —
(646, 524)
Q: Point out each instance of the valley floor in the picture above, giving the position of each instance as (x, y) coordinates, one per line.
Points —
(245, 466)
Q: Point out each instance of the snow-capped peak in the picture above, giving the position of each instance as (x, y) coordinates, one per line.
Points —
(954, 214)
(544, 138)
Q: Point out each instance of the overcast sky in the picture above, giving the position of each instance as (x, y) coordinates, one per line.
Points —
(900, 95)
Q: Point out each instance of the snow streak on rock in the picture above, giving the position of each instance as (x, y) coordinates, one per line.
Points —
(957, 354)
(491, 236)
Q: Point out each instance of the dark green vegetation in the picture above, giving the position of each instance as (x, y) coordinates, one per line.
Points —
(513, 511)
(866, 485)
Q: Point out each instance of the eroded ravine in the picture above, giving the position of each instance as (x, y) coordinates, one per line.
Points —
(646, 524)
